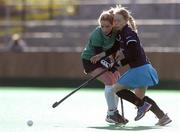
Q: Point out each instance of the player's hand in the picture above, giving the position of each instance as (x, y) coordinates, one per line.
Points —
(97, 57)
(119, 55)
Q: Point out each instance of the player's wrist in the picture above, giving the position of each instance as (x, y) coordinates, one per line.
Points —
(119, 63)
(102, 54)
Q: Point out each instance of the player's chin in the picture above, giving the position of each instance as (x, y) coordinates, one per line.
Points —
(107, 33)
(117, 27)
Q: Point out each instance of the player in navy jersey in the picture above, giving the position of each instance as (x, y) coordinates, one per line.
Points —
(141, 73)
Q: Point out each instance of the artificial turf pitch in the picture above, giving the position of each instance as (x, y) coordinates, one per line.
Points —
(84, 111)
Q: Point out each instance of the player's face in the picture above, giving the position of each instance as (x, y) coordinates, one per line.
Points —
(119, 21)
(106, 27)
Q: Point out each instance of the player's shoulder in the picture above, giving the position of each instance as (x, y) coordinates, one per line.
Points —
(129, 32)
(96, 33)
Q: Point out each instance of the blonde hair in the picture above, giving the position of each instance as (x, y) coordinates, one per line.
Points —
(126, 15)
(106, 16)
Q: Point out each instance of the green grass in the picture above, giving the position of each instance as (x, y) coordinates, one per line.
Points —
(84, 111)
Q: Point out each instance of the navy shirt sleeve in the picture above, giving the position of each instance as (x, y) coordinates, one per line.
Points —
(131, 41)
(133, 53)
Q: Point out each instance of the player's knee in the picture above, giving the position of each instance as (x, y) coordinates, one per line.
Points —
(108, 82)
(140, 95)
(140, 92)
(117, 87)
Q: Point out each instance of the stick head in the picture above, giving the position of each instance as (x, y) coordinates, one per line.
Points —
(55, 104)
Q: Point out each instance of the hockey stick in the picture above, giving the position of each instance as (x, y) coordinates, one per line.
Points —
(122, 108)
(82, 85)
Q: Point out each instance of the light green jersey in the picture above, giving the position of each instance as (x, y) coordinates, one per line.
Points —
(98, 39)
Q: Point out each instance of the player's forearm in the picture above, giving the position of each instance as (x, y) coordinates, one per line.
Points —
(113, 49)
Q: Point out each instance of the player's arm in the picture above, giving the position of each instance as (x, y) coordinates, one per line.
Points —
(132, 43)
(113, 49)
(132, 50)
(106, 53)
(98, 49)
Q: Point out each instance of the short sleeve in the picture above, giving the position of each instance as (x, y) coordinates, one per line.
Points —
(131, 37)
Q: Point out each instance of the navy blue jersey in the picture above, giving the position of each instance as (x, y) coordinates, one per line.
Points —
(128, 41)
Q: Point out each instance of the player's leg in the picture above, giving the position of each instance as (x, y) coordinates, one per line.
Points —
(140, 92)
(107, 78)
(115, 77)
(128, 95)
(163, 118)
(111, 98)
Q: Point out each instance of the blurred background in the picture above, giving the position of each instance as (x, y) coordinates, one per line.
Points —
(41, 41)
